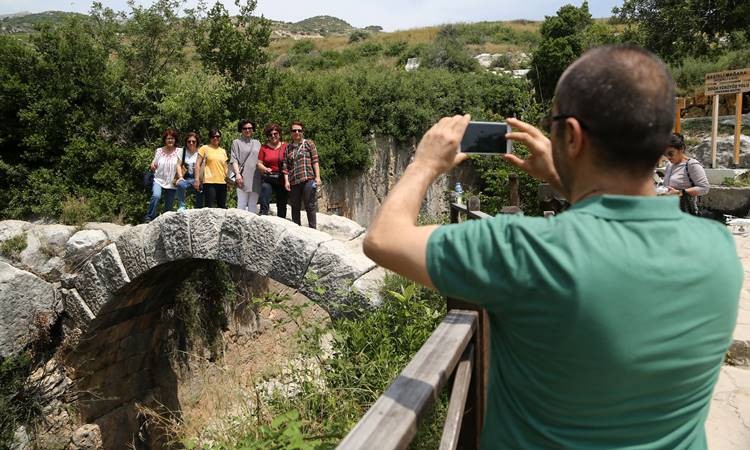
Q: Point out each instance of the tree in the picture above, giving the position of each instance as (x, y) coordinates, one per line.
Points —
(235, 47)
(564, 38)
(677, 28)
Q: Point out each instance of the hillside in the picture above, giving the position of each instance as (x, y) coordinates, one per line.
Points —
(25, 22)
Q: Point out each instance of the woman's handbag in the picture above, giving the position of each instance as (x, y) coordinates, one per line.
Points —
(148, 179)
(272, 178)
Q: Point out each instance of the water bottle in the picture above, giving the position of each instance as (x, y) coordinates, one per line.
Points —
(458, 193)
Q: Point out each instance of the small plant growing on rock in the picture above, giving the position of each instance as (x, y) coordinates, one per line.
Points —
(13, 247)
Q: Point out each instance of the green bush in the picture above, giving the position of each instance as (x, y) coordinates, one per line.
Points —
(370, 348)
(395, 48)
(357, 36)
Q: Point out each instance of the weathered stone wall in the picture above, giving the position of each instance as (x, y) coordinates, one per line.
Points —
(358, 197)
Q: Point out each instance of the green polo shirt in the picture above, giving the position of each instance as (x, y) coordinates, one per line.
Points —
(608, 322)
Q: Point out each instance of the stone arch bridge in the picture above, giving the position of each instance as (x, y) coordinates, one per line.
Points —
(114, 298)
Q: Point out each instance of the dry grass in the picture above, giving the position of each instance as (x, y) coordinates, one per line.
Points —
(220, 398)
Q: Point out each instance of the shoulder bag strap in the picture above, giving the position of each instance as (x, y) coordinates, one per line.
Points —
(687, 171)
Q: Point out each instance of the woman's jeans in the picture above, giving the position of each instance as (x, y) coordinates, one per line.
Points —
(187, 185)
(266, 189)
(304, 192)
(215, 195)
(156, 192)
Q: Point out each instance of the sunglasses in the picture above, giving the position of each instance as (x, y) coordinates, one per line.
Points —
(192, 141)
(247, 128)
(218, 136)
(296, 130)
(273, 133)
(545, 123)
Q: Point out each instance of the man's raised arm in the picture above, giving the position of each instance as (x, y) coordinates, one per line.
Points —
(394, 240)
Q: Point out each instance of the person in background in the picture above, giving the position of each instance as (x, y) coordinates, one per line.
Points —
(165, 168)
(609, 322)
(243, 158)
(684, 176)
(270, 160)
(302, 174)
(188, 158)
(212, 163)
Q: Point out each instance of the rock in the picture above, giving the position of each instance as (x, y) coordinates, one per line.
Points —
(412, 64)
(333, 269)
(113, 231)
(44, 242)
(51, 381)
(724, 152)
(82, 244)
(175, 235)
(295, 250)
(249, 242)
(53, 269)
(23, 296)
(87, 437)
(484, 59)
(21, 439)
(12, 228)
(339, 227)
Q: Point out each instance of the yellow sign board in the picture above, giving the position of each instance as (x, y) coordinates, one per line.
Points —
(728, 82)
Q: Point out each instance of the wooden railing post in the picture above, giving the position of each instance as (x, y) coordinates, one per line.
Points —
(473, 420)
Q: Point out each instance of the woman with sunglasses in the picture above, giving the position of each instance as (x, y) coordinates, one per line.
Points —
(243, 159)
(269, 165)
(302, 175)
(165, 167)
(684, 176)
(188, 159)
(212, 163)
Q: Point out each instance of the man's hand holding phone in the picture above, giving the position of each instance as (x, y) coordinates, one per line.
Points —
(438, 149)
(539, 164)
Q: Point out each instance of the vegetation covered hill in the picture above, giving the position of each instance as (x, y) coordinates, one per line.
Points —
(25, 23)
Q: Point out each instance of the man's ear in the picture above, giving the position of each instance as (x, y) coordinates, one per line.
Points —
(574, 138)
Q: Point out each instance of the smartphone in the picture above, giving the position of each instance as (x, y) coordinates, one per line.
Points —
(486, 138)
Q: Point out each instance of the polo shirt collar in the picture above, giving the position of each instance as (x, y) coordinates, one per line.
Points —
(630, 207)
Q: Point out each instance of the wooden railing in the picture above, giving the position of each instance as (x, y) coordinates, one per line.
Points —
(458, 348)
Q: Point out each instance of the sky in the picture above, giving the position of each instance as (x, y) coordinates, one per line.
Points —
(389, 14)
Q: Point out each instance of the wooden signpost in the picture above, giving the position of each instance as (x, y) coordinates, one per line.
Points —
(727, 82)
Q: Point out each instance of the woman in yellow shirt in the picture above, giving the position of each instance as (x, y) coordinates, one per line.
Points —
(212, 162)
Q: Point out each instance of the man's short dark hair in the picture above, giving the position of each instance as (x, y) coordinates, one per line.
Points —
(624, 98)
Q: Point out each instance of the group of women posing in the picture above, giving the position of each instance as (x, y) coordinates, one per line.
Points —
(290, 171)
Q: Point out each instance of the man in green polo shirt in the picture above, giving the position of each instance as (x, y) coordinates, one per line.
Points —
(609, 322)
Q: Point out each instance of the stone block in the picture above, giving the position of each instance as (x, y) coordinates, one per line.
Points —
(22, 297)
(175, 235)
(74, 306)
(234, 230)
(261, 246)
(205, 229)
(339, 227)
(153, 244)
(368, 286)
(331, 273)
(294, 252)
(130, 246)
(93, 290)
(110, 268)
